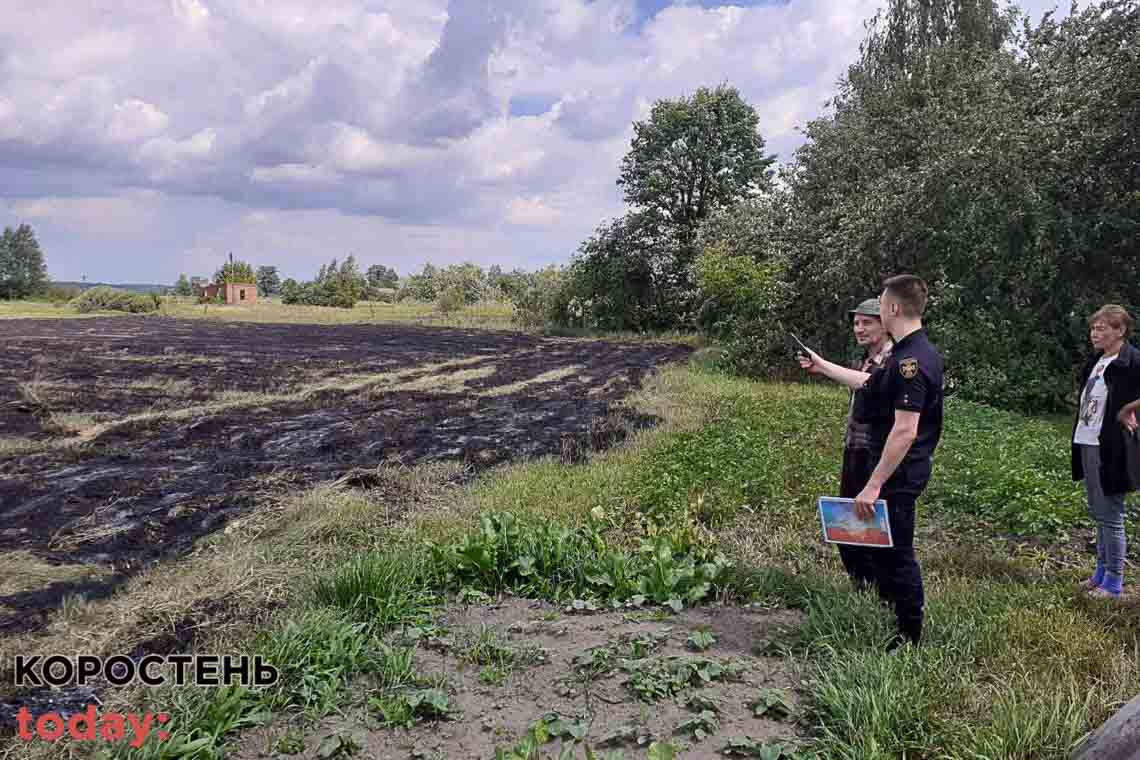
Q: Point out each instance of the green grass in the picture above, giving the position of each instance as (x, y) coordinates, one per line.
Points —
(1016, 663)
(45, 310)
(382, 589)
(491, 315)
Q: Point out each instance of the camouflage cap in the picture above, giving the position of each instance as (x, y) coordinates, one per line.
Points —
(869, 308)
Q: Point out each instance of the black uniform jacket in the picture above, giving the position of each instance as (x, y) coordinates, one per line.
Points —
(910, 381)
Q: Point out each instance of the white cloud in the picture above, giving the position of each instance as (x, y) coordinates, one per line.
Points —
(388, 119)
(285, 97)
(292, 173)
(353, 149)
(191, 13)
(164, 156)
(531, 211)
(135, 119)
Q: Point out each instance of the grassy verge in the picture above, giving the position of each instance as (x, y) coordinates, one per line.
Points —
(45, 310)
(491, 315)
(717, 502)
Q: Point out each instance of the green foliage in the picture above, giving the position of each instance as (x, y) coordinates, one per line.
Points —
(572, 732)
(292, 743)
(58, 295)
(336, 745)
(746, 746)
(694, 155)
(183, 286)
(629, 276)
(381, 277)
(410, 707)
(23, 272)
(773, 703)
(268, 281)
(235, 271)
(1013, 472)
(550, 561)
(736, 289)
(200, 721)
(993, 165)
(315, 654)
(497, 656)
(460, 284)
(340, 286)
(653, 680)
(110, 299)
(701, 639)
(538, 298)
(450, 299)
(421, 286)
(700, 726)
(382, 589)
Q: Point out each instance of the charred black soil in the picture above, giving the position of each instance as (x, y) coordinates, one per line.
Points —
(175, 427)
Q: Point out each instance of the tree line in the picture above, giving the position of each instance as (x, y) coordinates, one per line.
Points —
(997, 159)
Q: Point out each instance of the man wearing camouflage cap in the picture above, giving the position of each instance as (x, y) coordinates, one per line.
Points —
(858, 461)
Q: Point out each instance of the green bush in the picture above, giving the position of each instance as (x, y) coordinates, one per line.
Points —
(110, 299)
(57, 295)
(450, 299)
(538, 298)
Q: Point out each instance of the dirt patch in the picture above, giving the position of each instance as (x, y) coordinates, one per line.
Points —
(551, 648)
(295, 404)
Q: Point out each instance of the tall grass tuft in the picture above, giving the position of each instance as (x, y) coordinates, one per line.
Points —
(384, 589)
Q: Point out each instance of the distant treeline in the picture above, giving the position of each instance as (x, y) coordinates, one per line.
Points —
(130, 287)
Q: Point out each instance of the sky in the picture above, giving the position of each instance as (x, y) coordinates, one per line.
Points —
(147, 139)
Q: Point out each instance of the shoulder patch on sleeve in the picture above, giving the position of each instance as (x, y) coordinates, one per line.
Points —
(908, 367)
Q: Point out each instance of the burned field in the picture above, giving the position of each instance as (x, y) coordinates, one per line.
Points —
(124, 440)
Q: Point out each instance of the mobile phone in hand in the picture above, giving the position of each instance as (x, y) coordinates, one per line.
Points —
(807, 351)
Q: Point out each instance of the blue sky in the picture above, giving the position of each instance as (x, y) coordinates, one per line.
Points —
(144, 140)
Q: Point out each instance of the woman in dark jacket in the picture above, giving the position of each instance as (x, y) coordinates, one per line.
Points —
(1103, 440)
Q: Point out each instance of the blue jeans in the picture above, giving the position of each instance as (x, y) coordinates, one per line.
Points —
(1107, 509)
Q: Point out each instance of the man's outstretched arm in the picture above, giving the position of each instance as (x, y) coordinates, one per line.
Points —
(817, 365)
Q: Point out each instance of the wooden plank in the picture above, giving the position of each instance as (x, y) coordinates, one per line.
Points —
(1117, 739)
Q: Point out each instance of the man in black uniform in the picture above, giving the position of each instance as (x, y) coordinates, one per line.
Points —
(903, 406)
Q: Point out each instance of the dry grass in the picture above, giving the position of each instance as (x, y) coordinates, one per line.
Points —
(22, 571)
(72, 423)
(230, 400)
(167, 386)
(259, 561)
(441, 382)
(97, 525)
(14, 446)
(480, 315)
(549, 376)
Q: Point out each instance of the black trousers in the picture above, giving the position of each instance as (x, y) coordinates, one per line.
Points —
(895, 572)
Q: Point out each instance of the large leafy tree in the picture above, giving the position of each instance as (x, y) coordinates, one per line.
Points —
(23, 271)
(268, 281)
(235, 271)
(693, 156)
(183, 286)
(380, 276)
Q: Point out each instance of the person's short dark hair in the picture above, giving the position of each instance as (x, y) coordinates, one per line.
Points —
(1116, 316)
(910, 291)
